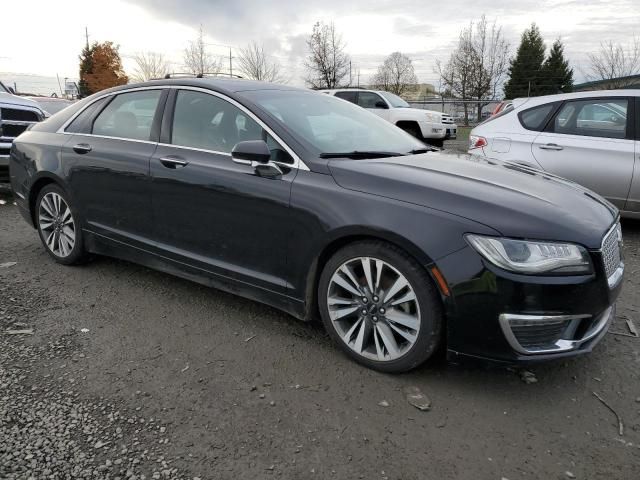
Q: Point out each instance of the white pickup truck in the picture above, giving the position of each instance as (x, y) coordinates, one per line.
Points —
(16, 114)
(427, 125)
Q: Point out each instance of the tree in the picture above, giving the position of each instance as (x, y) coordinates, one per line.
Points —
(525, 73)
(100, 68)
(457, 74)
(477, 67)
(558, 76)
(491, 52)
(614, 62)
(327, 63)
(197, 59)
(396, 74)
(255, 64)
(149, 65)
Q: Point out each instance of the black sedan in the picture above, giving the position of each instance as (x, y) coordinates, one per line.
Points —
(317, 207)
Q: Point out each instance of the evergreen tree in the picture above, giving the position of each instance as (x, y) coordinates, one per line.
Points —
(556, 71)
(100, 68)
(525, 72)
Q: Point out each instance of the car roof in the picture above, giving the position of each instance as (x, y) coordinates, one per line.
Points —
(327, 90)
(532, 101)
(219, 84)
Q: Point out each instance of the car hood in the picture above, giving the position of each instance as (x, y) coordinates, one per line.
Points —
(516, 201)
(7, 98)
(416, 113)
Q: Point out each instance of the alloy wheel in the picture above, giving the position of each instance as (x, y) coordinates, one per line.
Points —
(56, 224)
(373, 308)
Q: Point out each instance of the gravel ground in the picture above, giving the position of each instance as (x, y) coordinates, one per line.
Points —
(130, 373)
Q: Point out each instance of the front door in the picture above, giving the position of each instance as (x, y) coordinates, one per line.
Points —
(211, 212)
(589, 141)
(374, 103)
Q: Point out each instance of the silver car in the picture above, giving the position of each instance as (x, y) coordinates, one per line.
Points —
(592, 138)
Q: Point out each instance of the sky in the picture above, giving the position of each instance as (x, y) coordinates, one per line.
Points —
(51, 34)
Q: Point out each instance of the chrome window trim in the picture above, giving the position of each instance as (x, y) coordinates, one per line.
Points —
(297, 162)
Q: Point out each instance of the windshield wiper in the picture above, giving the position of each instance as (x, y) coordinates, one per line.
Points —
(356, 154)
(422, 150)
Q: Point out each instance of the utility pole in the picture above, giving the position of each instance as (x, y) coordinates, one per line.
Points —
(86, 35)
(350, 83)
(358, 78)
(230, 64)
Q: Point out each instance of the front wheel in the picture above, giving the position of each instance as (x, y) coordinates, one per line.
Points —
(58, 226)
(380, 306)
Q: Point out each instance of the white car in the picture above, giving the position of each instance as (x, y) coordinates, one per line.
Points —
(427, 125)
(592, 138)
(16, 114)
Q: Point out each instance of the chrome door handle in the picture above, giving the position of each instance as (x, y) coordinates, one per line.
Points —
(550, 146)
(82, 148)
(173, 162)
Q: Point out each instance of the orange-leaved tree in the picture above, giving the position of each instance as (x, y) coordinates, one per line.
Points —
(100, 68)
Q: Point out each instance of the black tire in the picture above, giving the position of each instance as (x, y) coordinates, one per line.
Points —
(431, 315)
(77, 253)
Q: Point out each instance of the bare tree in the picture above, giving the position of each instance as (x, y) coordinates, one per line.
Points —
(477, 68)
(396, 74)
(614, 62)
(255, 64)
(149, 65)
(492, 55)
(197, 59)
(327, 63)
(457, 74)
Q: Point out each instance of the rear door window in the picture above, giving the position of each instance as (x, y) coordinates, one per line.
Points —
(129, 115)
(348, 96)
(605, 118)
(82, 123)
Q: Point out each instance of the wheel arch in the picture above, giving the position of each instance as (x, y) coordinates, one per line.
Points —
(409, 124)
(36, 187)
(341, 239)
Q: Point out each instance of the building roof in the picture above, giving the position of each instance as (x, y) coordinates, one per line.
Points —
(630, 81)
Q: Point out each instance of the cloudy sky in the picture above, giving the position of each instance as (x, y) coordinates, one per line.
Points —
(47, 36)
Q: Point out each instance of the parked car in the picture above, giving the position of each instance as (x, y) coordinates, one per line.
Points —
(592, 138)
(430, 126)
(16, 114)
(504, 105)
(52, 105)
(314, 206)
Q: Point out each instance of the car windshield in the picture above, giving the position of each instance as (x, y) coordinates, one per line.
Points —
(331, 125)
(395, 100)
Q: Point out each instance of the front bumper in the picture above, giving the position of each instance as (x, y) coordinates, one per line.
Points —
(501, 316)
(433, 130)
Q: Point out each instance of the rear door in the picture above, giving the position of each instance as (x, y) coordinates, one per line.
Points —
(591, 141)
(108, 161)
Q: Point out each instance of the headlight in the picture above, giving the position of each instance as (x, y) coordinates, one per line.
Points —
(532, 257)
(434, 117)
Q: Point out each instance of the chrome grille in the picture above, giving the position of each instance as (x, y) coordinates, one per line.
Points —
(13, 121)
(611, 250)
(447, 120)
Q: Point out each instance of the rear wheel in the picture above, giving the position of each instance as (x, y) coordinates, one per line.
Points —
(380, 306)
(57, 224)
